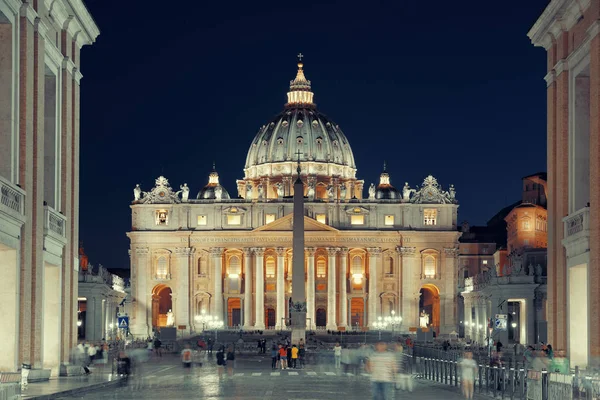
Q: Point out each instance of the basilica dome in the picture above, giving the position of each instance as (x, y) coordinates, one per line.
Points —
(385, 190)
(300, 132)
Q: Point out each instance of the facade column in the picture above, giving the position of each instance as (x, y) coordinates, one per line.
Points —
(331, 289)
(280, 313)
(530, 318)
(343, 287)
(467, 318)
(182, 312)
(142, 294)
(410, 297)
(217, 257)
(449, 297)
(374, 253)
(247, 288)
(310, 289)
(260, 289)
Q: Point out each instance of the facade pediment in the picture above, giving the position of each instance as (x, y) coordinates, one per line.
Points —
(286, 224)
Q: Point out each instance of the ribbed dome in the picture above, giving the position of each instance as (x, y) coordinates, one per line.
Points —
(210, 191)
(385, 190)
(300, 128)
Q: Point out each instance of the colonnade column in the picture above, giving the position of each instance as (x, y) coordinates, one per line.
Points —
(142, 295)
(260, 289)
(217, 256)
(343, 287)
(374, 253)
(182, 312)
(247, 288)
(331, 289)
(280, 315)
(467, 316)
(310, 288)
(410, 287)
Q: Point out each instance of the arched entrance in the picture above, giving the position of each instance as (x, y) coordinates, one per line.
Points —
(429, 303)
(161, 304)
(357, 312)
(321, 317)
(234, 315)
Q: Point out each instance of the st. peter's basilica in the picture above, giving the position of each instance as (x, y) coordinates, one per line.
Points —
(393, 252)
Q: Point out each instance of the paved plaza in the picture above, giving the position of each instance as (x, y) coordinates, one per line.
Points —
(252, 379)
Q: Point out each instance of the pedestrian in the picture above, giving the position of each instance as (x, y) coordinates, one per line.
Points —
(157, 347)
(274, 355)
(186, 357)
(345, 358)
(150, 347)
(210, 345)
(468, 368)
(337, 355)
(301, 355)
(288, 354)
(259, 346)
(294, 356)
(230, 360)
(82, 358)
(264, 346)
(382, 367)
(499, 346)
(282, 357)
(221, 361)
(404, 378)
(92, 351)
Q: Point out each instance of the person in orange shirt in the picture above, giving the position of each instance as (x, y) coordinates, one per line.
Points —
(283, 357)
(294, 356)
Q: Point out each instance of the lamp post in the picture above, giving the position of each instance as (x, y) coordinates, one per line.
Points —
(210, 321)
(379, 325)
(393, 320)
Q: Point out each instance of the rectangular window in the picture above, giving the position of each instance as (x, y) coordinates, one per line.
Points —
(321, 269)
(465, 273)
(269, 218)
(526, 225)
(202, 220)
(322, 218)
(162, 217)
(484, 262)
(357, 220)
(430, 216)
(389, 220)
(234, 220)
(270, 268)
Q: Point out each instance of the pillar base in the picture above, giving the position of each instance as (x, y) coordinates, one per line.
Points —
(280, 327)
(330, 327)
(259, 327)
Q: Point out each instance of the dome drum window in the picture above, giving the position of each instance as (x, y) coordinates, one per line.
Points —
(319, 140)
(285, 124)
(300, 140)
(300, 123)
(280, 141)
(315, 123)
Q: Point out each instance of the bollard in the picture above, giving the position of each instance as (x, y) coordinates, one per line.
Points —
(455, 366)
(445, 372)
(513, 377)
(503, 374)
(479, 373)
(495, 380)
(544, 384)
(523, 376)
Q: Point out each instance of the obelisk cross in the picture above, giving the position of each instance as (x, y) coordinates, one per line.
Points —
(298, 153)
(300, 55)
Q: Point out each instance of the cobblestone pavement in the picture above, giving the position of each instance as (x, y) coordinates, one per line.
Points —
(251, 380)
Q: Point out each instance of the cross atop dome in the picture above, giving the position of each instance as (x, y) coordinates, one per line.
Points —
(300, 93)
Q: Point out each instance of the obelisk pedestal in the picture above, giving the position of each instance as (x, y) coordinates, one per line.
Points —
(298, 306)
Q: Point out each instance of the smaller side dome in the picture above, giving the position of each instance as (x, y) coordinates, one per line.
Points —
(213, 190)
(385, 190)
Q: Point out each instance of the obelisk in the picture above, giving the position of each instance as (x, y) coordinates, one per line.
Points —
(298, 306)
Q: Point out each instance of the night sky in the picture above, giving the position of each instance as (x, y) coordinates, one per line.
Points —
(452, 89)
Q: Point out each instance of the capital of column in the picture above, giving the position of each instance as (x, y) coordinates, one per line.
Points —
(451, 251)
(141, 251)
(280, 251)
(310, 251)
(343, 251)
(184, 251)
(406, 251)
(216, 251)
(332, 251)
(374, 251)
(259, 251)
(247, 251)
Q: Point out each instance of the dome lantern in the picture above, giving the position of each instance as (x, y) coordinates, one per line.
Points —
(213, 190)
(300, 93)
(385, 190)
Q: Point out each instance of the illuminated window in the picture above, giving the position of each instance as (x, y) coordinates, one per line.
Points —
(484, 262)
(357, 266)
(357, 220)
(526, 225)
(389, 220)
(322, 218)
(162, 267)
(162, 217)
(321, 268)
(269, 218)
(429, 266)
(234, 220)
(202, 219)
(430, 216)
(235, 267)
(270, 267)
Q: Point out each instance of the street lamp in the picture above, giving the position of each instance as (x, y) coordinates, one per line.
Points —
(210, 321)
(379, 325)
(393, 320)
(79, 323)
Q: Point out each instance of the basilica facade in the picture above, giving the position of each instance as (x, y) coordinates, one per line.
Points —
(393, 251)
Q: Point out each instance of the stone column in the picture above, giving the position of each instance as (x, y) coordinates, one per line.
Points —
(217, 257)
(280, 313)
(343, 287)
(530, 318)
(182, 312)
(142, 294)
(260, 288)
(331, 289)
(467, 319)
(374, 253)
(247, 288)
(448, 298)
(310, 289)
(410, 289)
